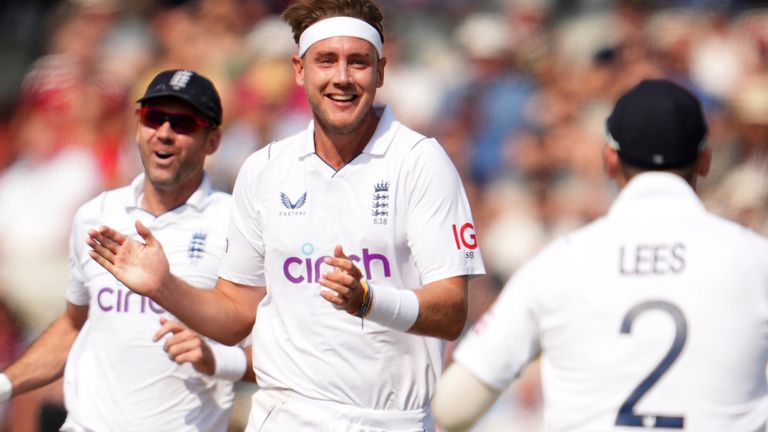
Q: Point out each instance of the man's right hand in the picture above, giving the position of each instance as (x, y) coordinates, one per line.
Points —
(142, 267)
(186, 346)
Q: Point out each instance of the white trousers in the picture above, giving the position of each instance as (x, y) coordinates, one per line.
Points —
(284, 410)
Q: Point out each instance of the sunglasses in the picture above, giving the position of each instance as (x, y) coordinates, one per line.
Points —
(185, 124)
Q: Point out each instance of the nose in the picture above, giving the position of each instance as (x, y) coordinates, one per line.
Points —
(342, 75)
(165, 131)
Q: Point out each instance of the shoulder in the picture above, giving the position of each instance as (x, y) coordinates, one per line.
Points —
(420, 153)
(568, 250)
(406, 135)
(219, 203)
(412, 143)
(103, 209)
(274, 154)
(753, 245)
(106, 202)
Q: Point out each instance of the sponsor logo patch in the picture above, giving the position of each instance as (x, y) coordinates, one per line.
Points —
(293, 206)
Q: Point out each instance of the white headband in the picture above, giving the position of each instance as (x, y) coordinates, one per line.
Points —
(340, 26)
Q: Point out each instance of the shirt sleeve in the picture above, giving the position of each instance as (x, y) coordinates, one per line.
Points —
(77, 291)
(506, 338)
(244, 255)
(439, 227)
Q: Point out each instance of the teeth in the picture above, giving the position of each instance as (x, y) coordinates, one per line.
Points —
(342, 98)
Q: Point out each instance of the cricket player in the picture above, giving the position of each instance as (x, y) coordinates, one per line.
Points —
(653, 317)
(109, 344)
(350, 247)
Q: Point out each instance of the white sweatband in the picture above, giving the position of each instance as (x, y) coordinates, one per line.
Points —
(340, 26)
(6, 388)
(230, 362)
(394, 308)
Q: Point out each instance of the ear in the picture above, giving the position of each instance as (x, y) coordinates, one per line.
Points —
(138, 130)
(610, 162)
(380, 69)
(298, 70)
(703, 162)
(212, 141)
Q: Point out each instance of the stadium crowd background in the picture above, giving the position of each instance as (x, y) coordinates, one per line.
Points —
(517, 92)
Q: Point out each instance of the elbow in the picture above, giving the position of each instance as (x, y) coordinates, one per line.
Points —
(453, 332)
(458, 317)
(232, 339)
(455, 327)
(229, 340)
(238, 334)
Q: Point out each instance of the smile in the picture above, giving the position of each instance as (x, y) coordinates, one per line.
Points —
(342, 98)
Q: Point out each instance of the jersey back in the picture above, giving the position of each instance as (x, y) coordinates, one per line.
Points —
(654, 317)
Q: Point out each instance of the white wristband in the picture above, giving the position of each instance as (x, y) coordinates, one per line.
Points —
(230, 362)
(6, 388)
(394, 308)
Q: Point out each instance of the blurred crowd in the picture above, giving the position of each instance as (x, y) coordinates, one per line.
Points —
(517, 91)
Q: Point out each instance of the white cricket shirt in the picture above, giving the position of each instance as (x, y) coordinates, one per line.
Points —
(654, 315)
(400, 212)
(116, 378)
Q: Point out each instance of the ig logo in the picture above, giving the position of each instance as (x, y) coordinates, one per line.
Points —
(465, 236)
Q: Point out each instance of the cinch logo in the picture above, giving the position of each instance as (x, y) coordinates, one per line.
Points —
(465, 236)
(124, 301)
(307, 270)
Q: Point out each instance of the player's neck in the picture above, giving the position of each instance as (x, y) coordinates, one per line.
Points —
(160, 199)
(340, 148)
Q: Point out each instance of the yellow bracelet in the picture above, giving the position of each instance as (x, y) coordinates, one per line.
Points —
(365, 306)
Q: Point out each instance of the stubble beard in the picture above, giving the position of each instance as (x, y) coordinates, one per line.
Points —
(335, 129)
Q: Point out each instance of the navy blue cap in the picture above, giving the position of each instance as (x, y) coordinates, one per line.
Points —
(657, 125)
(190, 87)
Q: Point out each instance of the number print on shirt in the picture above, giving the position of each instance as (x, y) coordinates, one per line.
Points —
(627, 415)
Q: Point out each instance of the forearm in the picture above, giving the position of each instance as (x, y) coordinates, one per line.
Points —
(225, 313)
(439, 309)
(461, 399)
(442, 312)
(43, 362)
(250, 375)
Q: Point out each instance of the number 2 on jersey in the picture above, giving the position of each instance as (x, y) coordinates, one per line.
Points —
(627, 415)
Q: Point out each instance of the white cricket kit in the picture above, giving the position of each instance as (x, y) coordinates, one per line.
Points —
(400, 212)
(653, 316)
(116, 378)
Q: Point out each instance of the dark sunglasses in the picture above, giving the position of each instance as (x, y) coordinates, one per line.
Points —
(185, 124)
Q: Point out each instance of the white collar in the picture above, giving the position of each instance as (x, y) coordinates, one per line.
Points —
(197, 199)
(656, 195)
(378, 144)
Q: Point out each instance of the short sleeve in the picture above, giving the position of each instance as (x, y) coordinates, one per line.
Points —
(243, 261)
(506, 338)
(77, 291)
(439, 227)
